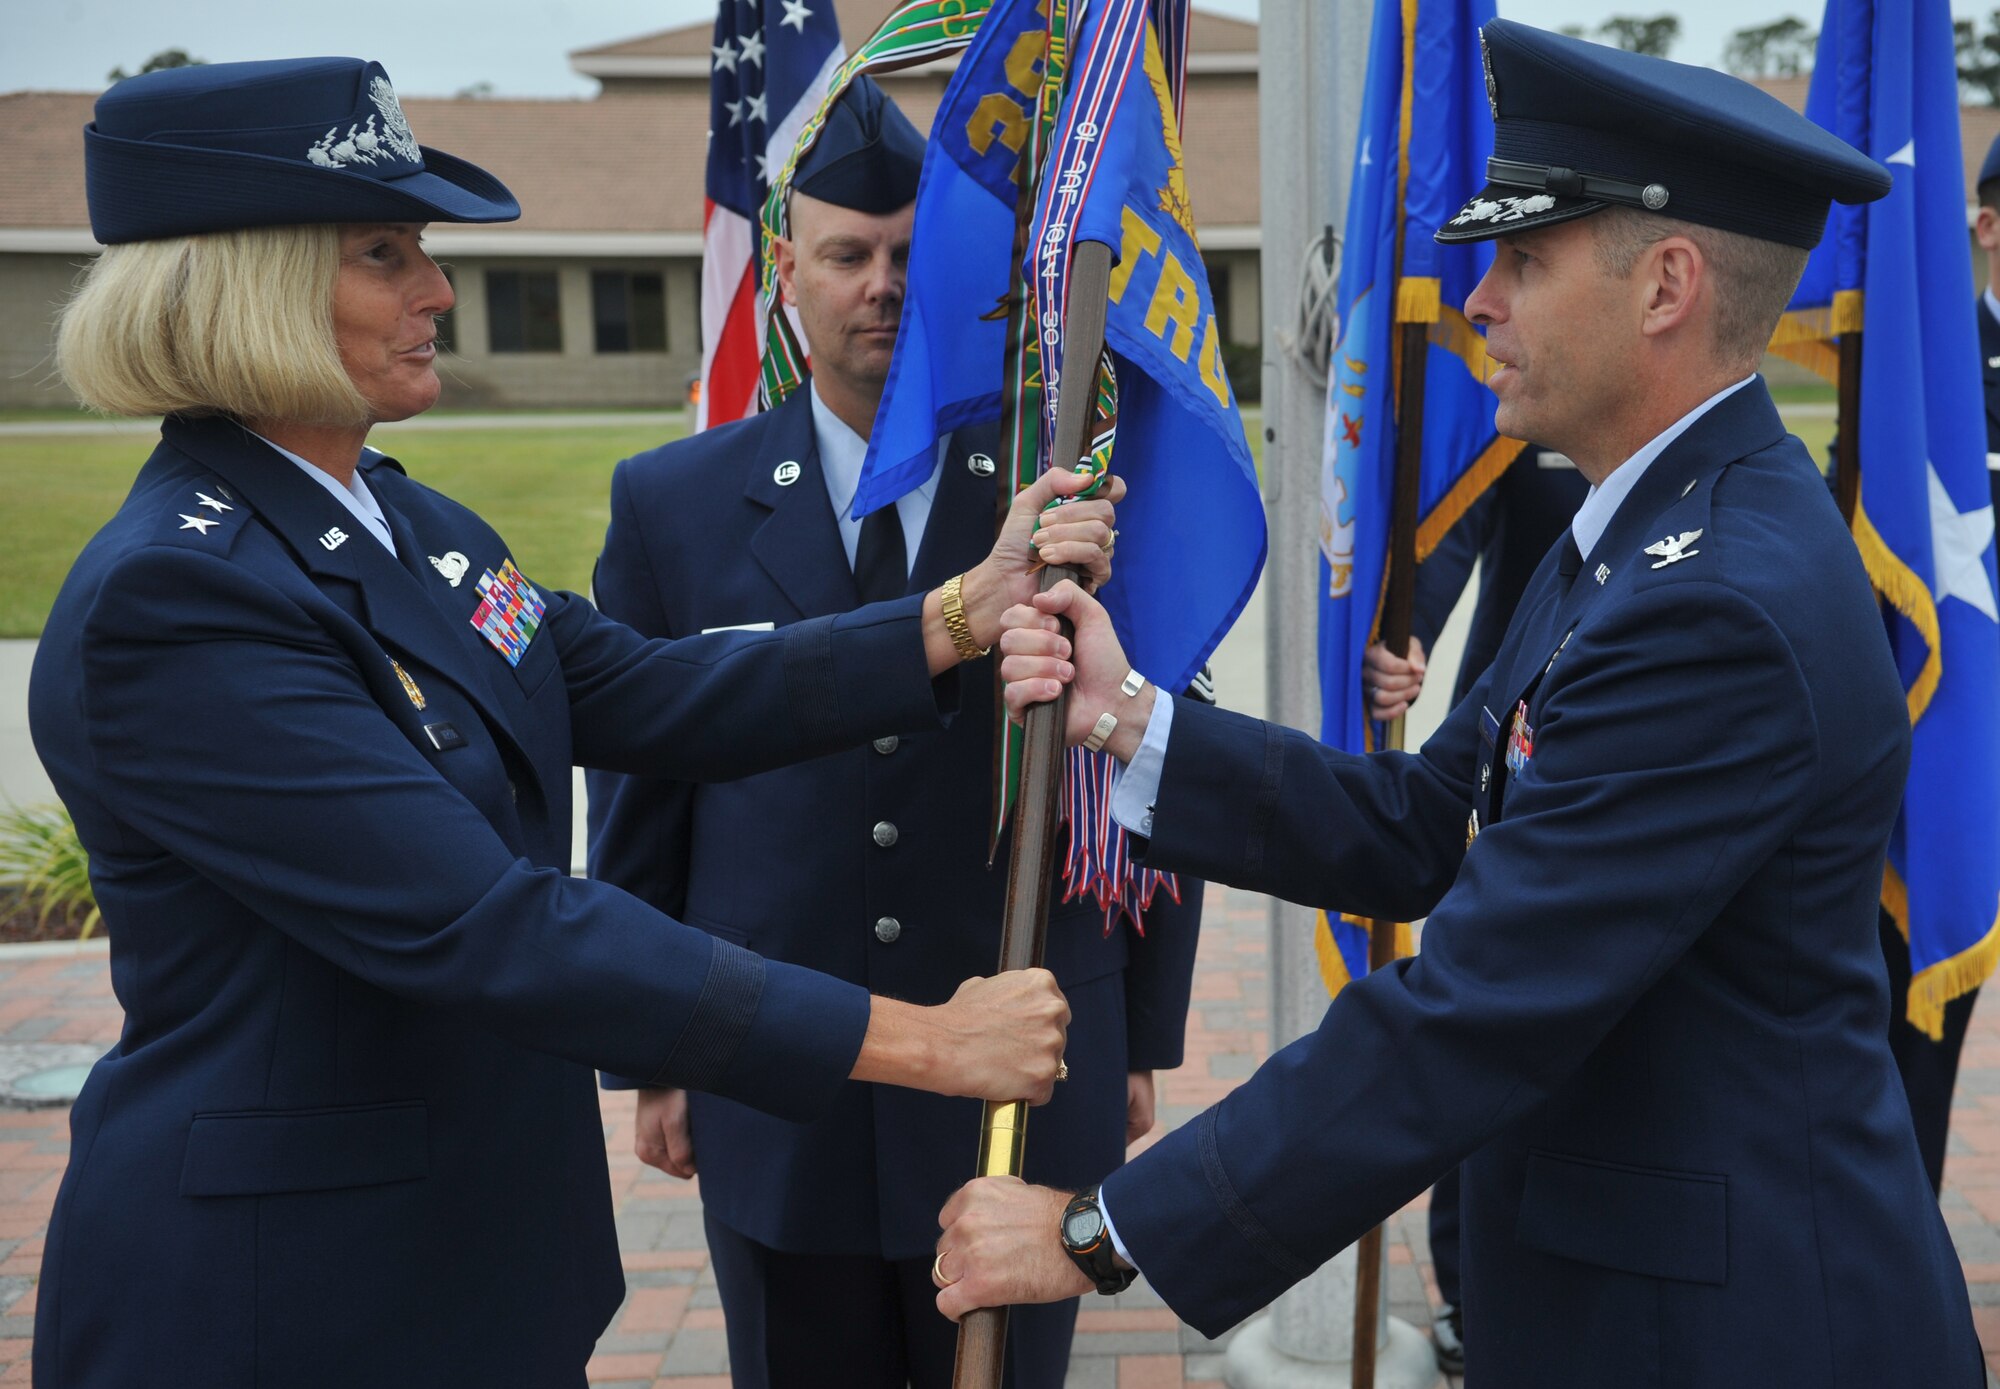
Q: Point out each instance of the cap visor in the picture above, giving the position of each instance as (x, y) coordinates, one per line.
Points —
(1501, 209)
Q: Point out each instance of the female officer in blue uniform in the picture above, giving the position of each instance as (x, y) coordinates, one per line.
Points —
(316, 731)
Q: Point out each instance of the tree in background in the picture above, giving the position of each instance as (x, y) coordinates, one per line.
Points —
(165, 58)
(1978, 58)
(1638, 34)
(1782, 48)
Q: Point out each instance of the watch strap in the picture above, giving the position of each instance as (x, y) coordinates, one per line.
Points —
(1099, 1261)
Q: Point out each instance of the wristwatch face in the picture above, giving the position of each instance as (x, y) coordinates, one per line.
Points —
(1083, 1228)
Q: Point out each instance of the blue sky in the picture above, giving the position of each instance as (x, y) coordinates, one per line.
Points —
(437, 47)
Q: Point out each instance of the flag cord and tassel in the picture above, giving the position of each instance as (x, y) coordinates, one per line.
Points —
(982, 1335)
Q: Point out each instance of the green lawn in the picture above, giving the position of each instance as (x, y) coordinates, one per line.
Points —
(546, 490)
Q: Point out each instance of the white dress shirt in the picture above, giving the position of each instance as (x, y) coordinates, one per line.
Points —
(355, 496)
(841, 454)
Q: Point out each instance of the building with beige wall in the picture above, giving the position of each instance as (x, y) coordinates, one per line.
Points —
(591, 299)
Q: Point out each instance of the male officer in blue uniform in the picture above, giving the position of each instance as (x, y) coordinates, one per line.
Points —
(1507, 531)
(870, 865)
(1650, 1016)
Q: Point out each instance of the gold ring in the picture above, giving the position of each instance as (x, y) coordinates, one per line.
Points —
(1062, 1070)
(937, 1271)
(1112, 543)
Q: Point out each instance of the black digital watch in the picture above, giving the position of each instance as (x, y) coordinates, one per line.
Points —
(1087, 1240)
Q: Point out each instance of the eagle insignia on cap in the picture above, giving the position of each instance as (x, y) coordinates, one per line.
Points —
(1508, 209)
(363, 144)
(1492, 87)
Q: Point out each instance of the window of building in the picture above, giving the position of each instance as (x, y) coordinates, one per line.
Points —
(628, 310)
(523, 311)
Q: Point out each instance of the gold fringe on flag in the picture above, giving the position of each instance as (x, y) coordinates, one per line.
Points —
(1908, 595)
(1417, 299)
(1932, 988)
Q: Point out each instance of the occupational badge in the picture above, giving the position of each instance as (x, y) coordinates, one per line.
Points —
(452, 565)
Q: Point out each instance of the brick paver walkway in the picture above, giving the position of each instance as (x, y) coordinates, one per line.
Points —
(668, 1335)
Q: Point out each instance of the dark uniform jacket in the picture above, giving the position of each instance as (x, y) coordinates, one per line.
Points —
(1650, 1010)
(349, 1135)
(869, 864)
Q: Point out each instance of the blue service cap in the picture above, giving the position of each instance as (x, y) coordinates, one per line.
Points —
(1991, 168)
(1578, 127)
(867, 156)
(226, 145)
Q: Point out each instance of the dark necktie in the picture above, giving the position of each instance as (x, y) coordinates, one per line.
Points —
(1570, 562)
(881, 568)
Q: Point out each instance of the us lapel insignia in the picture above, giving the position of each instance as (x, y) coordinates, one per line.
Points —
(409, 686)
(786, 473)
(1603, 573)
(1674, 549)
(509, 611)
(980, 465)
(452, 565)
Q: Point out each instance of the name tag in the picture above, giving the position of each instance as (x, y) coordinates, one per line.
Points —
(443, 736)
(742, 627)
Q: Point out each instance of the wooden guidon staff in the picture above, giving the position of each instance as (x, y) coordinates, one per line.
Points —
(1398, 609)
(982, 1335)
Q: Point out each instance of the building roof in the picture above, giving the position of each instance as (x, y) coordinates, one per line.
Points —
(1207, 34)
(618, 177)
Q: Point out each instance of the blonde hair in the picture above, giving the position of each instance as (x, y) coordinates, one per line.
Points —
(233, 323)
(1754, 279)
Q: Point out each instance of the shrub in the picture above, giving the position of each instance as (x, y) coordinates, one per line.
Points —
(42, 859)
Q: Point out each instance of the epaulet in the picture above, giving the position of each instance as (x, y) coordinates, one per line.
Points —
(374, 458)
(202, 515)
(1682, 536)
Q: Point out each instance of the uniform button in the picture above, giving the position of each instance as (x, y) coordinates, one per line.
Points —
(887, 745)
(885, 834)
(887, 928)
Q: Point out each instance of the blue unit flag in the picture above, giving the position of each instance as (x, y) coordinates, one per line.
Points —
(1425, 137)
(1899, 271)
(1192, 531)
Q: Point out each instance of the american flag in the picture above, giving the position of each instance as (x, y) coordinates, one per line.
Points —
(769, 68)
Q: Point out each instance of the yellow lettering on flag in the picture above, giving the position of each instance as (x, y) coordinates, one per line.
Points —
(1211, 364)
(1136, 241)
(1177, 302)
(998, 117)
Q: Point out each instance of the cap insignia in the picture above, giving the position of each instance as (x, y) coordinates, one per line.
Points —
(1507, 209)
(363, 144)
(1654, 196)
(1492, 86)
